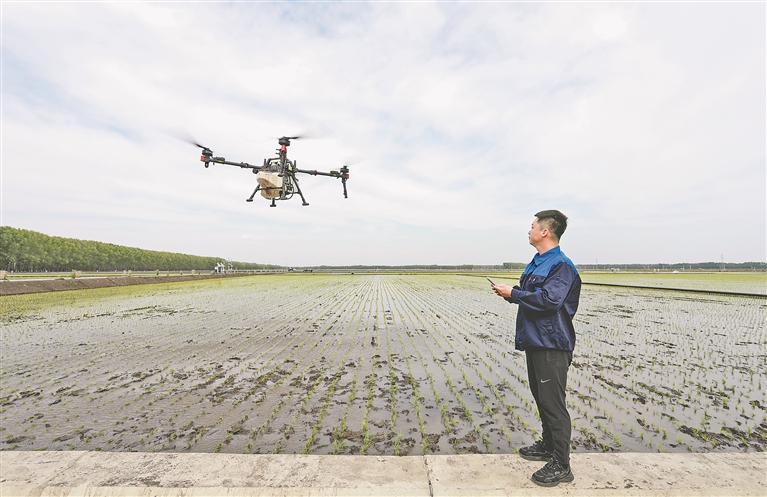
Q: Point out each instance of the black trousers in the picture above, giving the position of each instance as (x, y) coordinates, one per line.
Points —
(547, 373)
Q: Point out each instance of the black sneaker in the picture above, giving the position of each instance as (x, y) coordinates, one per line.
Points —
(535, 452)
(553, 473)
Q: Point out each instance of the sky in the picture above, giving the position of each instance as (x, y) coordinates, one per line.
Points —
(645, 123)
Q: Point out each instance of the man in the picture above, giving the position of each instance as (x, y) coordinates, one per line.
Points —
(547, 296)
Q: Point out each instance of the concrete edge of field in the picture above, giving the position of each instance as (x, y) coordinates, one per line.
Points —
(192, 474)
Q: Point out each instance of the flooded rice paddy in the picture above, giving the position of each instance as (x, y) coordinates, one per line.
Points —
(370, 364)
(747, 282)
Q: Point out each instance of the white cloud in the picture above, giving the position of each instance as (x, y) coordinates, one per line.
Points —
(642, 122)
(609, 25)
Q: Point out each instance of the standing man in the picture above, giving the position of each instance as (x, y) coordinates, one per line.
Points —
(547, 296)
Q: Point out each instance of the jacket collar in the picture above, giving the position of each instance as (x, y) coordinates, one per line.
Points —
(539, 259)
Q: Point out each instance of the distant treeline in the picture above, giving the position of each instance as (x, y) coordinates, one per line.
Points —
(29, 251)
(704, 266)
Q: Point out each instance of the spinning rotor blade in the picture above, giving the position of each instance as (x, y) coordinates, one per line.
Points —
(297, 137)
(185, 137)
(313, 133)
(351, 160)
(193, 142)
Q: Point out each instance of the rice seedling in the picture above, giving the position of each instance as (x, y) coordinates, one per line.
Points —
(260, 364)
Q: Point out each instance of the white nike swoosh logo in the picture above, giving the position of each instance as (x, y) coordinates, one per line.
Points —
(544, 381)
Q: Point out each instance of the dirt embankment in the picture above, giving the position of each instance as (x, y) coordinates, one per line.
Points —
(37, 286)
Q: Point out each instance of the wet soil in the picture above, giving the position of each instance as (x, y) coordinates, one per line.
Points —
(403, 365)
(19, 287)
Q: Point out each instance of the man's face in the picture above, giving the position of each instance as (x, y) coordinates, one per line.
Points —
(536, 233)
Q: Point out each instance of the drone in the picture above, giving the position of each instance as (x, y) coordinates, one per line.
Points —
(277, 176)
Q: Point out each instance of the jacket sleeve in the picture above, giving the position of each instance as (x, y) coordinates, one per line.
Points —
(552, 294)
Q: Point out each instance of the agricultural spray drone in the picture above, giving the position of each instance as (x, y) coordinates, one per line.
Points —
(277, 176)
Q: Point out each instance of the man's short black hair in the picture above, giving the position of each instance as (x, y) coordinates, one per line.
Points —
(555, 221)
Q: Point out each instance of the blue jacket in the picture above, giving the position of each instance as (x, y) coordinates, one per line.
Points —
(547, 295)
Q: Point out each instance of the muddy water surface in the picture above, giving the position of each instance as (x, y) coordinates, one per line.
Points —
(357, 364)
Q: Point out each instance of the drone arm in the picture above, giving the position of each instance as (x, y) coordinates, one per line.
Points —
(332, 174)
(343, 174)
(221, 160)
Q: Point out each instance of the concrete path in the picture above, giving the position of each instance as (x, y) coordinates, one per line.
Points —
(163, 474)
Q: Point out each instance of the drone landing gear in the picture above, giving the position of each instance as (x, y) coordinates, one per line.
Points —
(283, 196)
(250, 199)
(258, 189)
(298, 189)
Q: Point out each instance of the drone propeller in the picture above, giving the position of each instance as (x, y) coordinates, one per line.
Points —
(206, 152)
(351, 160)
(306, 134)
(286, 139)
(185, 137)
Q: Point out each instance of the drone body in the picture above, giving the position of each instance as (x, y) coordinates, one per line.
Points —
(277, 176)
